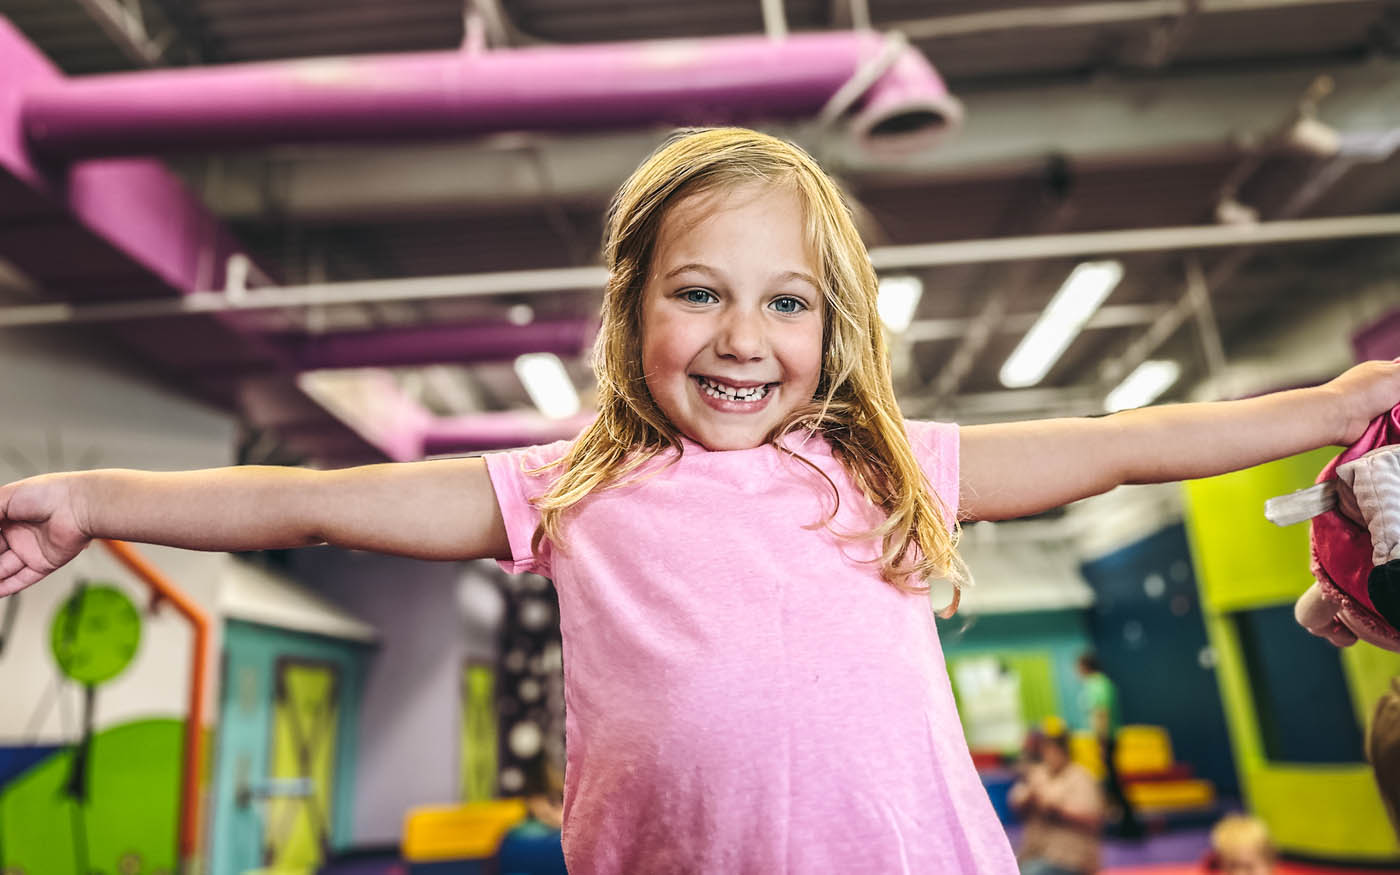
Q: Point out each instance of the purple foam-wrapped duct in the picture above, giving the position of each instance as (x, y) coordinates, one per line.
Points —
(478, 432)
(123, 226)
(380, 98)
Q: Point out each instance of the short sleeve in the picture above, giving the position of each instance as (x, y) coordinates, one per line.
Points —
(935, 446)
(519, 477)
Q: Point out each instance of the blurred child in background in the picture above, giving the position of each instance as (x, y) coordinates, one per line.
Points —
(1240, 845)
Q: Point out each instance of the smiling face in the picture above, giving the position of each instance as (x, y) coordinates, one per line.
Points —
(732, 315)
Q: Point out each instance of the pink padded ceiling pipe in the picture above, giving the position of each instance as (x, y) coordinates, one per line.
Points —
(401, 97)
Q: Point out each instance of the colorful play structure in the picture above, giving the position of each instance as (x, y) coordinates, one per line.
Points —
(477, 838)
(237, 744)
(1215, 662)
(279, 795)
(1295, 718)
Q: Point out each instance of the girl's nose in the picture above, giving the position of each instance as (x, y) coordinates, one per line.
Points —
(741, 337)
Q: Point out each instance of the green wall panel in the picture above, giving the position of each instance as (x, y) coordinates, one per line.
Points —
(129, 821)
(479, 735)
(1242, 559)
(1244, 562)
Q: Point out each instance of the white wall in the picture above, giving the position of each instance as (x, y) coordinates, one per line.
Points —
(62, 406)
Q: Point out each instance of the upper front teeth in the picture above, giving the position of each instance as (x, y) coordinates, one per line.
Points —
(732, 393)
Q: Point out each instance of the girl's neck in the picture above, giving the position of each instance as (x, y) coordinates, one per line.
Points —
(796, 441)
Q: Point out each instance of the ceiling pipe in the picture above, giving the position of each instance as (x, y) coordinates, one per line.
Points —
(372, 404)
(384, 98)
(436, 344)
(481, 432)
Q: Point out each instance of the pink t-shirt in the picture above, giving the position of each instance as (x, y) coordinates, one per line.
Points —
(743, 694)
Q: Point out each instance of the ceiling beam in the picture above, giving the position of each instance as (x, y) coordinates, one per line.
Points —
(1195, 300)
(555, 280)
(774, 19)
(849, 15)
(1131, 240)
(193, 37)
(125, 26)
(1087, 15)
(1104, 120)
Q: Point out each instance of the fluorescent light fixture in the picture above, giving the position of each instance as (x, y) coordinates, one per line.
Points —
(544, 377)
(899, 298)
(1140, 388)
(1082, 293)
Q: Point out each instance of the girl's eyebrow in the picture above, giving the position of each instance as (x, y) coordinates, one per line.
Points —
(706, 269)
(800, 277)
(694, 266)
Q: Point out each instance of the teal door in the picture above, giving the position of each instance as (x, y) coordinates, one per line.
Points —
(284, 759)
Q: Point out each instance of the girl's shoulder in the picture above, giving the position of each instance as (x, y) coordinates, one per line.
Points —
(524, 474)
(929, 438)
(538, 467)
(935, 446)
(541, 460)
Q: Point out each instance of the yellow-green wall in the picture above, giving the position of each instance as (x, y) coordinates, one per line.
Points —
(1243, 562)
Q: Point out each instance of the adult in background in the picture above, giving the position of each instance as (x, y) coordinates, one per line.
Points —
(1062, 807)
(1100, 704)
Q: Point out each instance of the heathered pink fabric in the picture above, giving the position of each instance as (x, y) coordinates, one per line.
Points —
(743, 693)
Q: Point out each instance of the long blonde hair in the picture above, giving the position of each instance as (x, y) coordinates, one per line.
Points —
(854, 407)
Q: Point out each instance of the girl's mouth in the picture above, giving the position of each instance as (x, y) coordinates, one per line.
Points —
(733, 394)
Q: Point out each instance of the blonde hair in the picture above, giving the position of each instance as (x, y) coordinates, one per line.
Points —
(854, 407)
(1240, 835)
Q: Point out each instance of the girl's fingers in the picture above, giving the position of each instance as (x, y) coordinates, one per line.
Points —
(1339, 635)
(18, 581)
(9, 563)
(1320, 617)
(1313, 612)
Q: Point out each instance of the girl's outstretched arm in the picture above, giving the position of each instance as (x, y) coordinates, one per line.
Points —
(1014, 469)
(429, 510)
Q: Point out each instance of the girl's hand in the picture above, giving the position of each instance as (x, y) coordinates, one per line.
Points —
(39, 529)
(1365, 392)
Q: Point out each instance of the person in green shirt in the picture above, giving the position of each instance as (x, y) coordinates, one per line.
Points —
(1100, 704)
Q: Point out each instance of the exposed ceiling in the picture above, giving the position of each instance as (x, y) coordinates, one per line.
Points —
(1080, 117)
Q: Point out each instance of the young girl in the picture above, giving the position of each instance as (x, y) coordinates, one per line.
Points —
(1240, 845)
(741, 541)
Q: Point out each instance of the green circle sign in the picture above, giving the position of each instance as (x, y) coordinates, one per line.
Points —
(95, 634)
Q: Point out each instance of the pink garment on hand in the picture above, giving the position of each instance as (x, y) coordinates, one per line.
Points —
(1339, 606)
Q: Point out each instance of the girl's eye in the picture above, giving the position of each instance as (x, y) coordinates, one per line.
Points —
(698, 296)
(789, 305)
